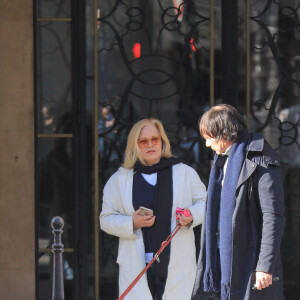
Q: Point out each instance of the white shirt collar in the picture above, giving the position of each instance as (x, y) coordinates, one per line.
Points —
(227, 151)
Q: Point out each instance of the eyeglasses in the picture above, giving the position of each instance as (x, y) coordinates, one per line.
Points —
(155, 140)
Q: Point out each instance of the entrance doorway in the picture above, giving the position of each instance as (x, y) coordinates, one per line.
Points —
(101, 65)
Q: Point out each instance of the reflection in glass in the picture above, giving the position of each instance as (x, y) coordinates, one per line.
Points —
(49, 114)
(275, 111)
(44, 275)
(55, 187)
(53, 75)
(55, 198)
(53, 8)
(153, 61)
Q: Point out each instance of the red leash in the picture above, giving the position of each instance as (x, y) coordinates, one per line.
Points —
(155, 257)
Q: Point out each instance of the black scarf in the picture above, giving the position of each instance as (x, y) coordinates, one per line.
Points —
(163, 202)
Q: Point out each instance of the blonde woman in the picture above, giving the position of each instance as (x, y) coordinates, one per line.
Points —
(151, 177)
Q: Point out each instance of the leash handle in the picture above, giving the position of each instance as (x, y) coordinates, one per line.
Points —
(155, 257)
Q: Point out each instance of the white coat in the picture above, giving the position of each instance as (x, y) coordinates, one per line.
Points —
(116, 219)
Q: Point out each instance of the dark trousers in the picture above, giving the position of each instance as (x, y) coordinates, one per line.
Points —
(156, 285)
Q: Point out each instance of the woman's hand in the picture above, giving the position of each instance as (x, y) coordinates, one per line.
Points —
(142, 221)
(184, 221)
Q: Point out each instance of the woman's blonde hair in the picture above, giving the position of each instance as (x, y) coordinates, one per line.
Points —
(132, 153)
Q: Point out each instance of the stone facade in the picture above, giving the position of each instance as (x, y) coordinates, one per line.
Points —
(17, 254)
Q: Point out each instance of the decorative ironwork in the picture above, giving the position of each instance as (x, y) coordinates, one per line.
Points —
(163, 49)
(154, 60)
(276, 81)
(275, 110)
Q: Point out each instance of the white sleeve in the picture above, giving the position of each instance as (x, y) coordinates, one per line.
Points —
(112, 218)
(198, 197)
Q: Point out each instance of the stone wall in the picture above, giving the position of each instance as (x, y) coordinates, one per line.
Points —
(17, 252)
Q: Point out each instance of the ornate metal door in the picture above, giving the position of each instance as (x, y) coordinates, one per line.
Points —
(152, 60)
(114, 62)
(171, 60)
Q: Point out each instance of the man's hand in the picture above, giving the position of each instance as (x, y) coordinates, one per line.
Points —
(142, 221)
(263, 280)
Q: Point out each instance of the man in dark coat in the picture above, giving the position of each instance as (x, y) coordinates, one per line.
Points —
(241, 235)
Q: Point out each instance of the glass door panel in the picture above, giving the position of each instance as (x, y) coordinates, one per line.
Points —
(153, 60)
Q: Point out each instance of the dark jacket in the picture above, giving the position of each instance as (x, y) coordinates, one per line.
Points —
(257, 226)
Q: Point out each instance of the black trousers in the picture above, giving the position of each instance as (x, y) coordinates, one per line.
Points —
(156, 285)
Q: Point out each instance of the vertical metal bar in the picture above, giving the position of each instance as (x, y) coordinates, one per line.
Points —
(212, 57)
(96, 171)
(230, 52)
(57, 223)
(248, 66)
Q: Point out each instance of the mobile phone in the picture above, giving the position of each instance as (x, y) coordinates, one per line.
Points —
(144, 211)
